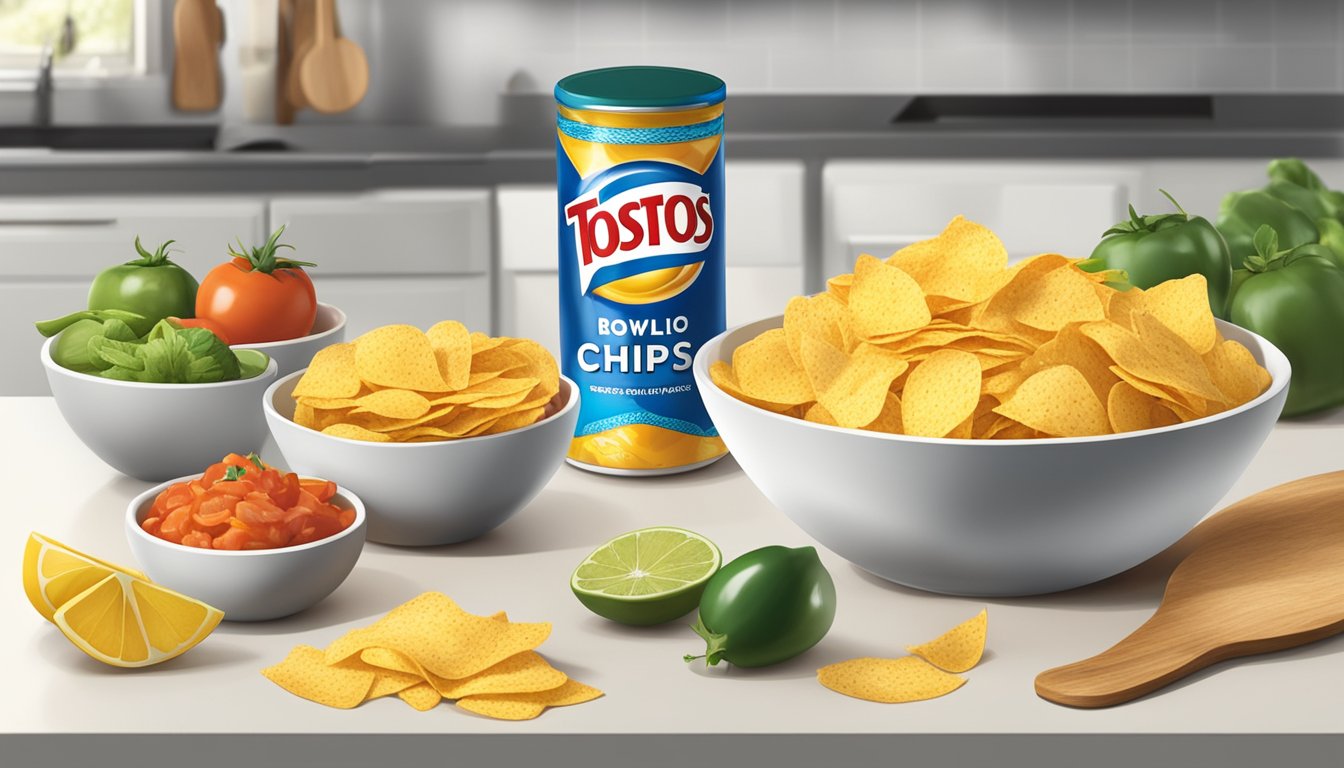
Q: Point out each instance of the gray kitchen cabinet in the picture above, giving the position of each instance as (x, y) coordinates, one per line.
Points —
(395, 256)
(50, 250)
(764, 248)
(878, 207)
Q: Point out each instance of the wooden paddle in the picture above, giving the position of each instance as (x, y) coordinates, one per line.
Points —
(1266, 573)
(334, 74)
(197, 34)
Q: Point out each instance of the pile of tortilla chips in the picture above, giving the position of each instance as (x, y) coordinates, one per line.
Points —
(931, 672)
(400, 384)
(429, 649)
(944, 339)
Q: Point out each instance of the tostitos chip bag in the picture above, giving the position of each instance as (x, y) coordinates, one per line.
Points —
(945, 339)
(400, 384)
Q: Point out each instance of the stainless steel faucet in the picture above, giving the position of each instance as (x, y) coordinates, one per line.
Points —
(63, 44)
(43, 93)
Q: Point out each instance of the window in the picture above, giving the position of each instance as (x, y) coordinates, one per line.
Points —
(109, 36)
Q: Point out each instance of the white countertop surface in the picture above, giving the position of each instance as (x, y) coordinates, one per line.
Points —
(59, 488)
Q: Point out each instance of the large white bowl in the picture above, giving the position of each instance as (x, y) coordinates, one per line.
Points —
(992, 517)
(422, 494)
(292, 355)
(157, 431)
(254, 585)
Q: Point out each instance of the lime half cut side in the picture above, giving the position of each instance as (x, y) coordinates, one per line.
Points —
(649, 576)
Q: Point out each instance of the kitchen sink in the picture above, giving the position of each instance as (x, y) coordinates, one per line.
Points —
(1053, 107)
(109, 137)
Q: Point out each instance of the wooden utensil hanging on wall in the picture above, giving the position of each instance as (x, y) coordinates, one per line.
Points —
(302, 27)
(334, 74)
(284, 60)
(198, 31)
(1267, 573)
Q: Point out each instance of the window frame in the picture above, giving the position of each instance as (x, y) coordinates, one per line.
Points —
(145, 25)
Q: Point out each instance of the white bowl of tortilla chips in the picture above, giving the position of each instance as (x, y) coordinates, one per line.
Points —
(443, 434)
(953, 424)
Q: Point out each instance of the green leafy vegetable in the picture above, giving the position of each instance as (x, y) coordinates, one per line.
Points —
(104, 343)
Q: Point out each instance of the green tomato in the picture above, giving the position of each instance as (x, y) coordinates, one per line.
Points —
(765, 607)
(152, 286)
(1157, 248)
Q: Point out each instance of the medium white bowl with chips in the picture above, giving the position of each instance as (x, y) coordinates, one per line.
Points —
(992, 517)
(291, 355)
(430, 493)
(248, 585)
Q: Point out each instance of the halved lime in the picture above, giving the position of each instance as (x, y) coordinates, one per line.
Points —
(647, 576)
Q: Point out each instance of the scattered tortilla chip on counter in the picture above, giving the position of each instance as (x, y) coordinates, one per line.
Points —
(429, 649)
(960, 648)
(928, 674)
(525, 706)
(889, 681)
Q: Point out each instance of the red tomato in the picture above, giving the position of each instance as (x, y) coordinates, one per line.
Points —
(259, 297)
(253, 307)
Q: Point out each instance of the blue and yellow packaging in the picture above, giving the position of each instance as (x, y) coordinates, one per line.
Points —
(639, 153)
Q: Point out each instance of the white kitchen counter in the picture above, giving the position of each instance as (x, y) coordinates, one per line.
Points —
(58, 487)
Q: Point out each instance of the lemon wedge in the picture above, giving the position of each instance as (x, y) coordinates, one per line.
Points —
(53, 573)
(113, 614)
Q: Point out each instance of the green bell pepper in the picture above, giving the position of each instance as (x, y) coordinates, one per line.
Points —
(1332, 237)
(1293, 182)
(1242, 213)
(152, 286)
(1167, 246)
(1295, 298)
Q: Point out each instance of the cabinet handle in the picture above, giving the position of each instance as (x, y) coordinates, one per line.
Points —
(57, 222)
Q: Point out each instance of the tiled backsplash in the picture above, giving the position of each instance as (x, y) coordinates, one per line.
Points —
(467, 51)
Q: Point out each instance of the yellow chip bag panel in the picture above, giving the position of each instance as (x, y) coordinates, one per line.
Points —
(400, 384)
(945, 339)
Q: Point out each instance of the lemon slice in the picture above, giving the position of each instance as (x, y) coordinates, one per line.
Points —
(648, 576)
(53, 573)
(126, 621)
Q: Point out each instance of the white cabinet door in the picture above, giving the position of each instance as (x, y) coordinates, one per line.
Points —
(396, 256)
(21, 305)
(51, 249)
(763, 248)
(80, 236)
(534, 302)
(420, 301)
(423, 231)
(880, 206)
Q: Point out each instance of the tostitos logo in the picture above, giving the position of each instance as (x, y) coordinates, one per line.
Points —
(638, 238)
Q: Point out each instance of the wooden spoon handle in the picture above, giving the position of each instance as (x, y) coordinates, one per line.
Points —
(1154, 655)
(325, 21)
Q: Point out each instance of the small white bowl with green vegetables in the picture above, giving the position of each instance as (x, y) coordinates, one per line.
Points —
(158, 406)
